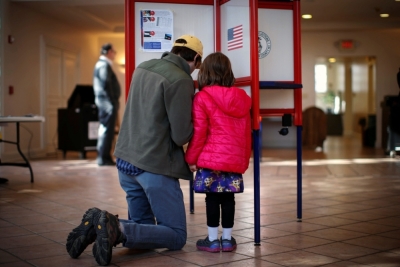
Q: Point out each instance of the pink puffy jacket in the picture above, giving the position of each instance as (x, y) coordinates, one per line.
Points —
(222, 130)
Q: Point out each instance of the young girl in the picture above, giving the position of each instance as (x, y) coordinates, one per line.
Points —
(220, 147)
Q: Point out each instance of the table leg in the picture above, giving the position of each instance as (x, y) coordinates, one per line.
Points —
(22, 155)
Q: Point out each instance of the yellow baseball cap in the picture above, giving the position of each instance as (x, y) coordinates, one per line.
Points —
(192, 42)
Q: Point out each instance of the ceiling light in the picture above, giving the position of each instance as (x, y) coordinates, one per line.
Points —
(306, 16)
(332, 60)
(383, 15)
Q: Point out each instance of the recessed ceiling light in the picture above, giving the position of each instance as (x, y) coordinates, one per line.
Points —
(384, 15)
(306, 16)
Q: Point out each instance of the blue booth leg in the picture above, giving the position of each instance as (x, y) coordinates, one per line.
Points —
(299, 173)
(256, 149)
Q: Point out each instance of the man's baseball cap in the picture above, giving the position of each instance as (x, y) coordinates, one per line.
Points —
(192, 42)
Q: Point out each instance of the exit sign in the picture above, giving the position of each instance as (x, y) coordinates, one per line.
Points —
(346, 45)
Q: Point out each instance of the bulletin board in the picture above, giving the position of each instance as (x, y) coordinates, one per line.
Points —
(186, 20)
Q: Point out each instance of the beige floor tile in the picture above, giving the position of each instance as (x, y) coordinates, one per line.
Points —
(7, 258)
(204, 258)
(64, 260)
(161, 261)
(265, 233)
(248, 263)
(16, 264)
(249, 249)
(297, 227)
(369, 228)
(13, 231)
(39, 251)
(361, 216)
(391, 234)
(375, 242)
(345, 264)
(331, 221)
(386, 259)
(335, 234)
(341, 250)
(298, 241)
(23, 241)
(299, 259)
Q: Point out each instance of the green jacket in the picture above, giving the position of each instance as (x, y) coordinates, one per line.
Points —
(157, 121)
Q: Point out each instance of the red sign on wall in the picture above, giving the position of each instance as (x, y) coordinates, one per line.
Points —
(346, 45)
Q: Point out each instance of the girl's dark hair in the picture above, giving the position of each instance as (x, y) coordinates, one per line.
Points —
(216, 70)
(185, 53)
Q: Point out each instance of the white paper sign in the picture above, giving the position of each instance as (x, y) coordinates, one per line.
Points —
(157, 30)
(93, 129)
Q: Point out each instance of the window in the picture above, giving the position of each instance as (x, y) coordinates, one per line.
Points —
(321, 78)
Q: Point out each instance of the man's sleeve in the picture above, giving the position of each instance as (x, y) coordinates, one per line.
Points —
(178, 104)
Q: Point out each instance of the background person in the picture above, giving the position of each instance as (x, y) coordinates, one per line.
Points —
(107, 92)
(393, 127)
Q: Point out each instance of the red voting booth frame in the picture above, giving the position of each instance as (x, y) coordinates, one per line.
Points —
(252, 81)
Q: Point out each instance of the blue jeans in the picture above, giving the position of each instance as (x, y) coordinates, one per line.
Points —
(156, 210)
(107, 119)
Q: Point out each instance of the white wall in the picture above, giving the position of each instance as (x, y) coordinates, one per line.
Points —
(381, 44)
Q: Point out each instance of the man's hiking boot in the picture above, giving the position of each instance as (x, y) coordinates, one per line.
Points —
(108, 235)
(84, 234)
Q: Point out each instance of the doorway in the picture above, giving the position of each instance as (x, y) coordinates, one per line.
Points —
(60, 71)
(345, 90)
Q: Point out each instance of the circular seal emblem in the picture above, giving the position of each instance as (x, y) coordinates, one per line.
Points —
(264, 44)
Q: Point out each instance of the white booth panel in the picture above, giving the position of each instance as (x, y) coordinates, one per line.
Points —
(235, 16)
(271, 137)
(276, 98)
(197, 20)
(277, 28)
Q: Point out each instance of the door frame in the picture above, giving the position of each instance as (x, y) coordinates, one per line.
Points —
(46, 41)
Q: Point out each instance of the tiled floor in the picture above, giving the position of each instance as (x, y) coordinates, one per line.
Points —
(351, 212)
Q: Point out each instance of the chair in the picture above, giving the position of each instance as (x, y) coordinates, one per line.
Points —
(314, 128)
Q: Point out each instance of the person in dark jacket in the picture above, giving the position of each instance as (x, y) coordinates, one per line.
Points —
(157, 122)
(393, 127)
(107, 92)
(398, 80)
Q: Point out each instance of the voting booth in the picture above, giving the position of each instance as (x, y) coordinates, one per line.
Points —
(261, 39)
(78, 124)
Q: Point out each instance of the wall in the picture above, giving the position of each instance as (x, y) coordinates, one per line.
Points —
(381, 44)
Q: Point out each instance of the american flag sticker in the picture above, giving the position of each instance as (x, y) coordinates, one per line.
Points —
(235, 37)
